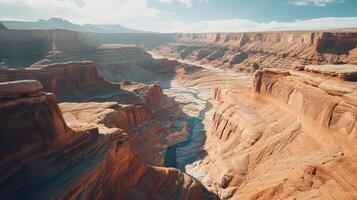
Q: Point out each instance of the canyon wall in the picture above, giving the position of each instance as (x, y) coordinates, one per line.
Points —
(42, 157)
(291, 135)
(247, 52)
(330, 103)
(116, 63)
(41, 127)
(323, 42)
(68, 80)
(22, 48)
(89, 101)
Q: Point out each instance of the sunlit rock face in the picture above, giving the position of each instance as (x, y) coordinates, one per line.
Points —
(45, 158)
(247, 52)
(288, 135)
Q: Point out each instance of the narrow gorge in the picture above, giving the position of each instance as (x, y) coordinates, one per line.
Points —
(186, 116)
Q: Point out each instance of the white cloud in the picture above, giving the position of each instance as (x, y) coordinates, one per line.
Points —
(245, 25)
(187, 3)
(319, 3)
(93, 11)
(139, 15)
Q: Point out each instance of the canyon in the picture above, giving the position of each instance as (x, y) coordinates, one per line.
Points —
(183, 116)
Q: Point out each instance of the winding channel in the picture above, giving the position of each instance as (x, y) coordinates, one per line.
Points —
(195, 139)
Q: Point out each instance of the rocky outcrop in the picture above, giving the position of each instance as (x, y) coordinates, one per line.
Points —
(68, 80)
(344, 72)
(42, 121)
(43, 158)
(108, 115)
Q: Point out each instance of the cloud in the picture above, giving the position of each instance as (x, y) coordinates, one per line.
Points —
(319, 3)
(245, 25)
(139, 15)
(187, 3)
(90, 11)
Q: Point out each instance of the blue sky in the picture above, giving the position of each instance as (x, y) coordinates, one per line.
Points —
(192, 15)
(258, 10)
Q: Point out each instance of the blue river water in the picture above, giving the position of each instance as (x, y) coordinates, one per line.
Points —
(194, 123)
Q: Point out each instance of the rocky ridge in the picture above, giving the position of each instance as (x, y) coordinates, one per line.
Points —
(247, 52)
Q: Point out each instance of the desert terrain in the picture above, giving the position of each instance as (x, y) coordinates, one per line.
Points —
(266, 115)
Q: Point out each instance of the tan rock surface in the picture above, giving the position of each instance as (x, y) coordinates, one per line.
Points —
(260, 50)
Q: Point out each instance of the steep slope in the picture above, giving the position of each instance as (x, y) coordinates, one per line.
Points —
(43, 158)
(290, 136)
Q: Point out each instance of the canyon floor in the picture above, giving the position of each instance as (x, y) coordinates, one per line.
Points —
(208, 116)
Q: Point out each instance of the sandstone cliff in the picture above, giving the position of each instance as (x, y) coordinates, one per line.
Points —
(43, 158)
(68, 80)
(291, 136)
(250, 51)
(42, 127)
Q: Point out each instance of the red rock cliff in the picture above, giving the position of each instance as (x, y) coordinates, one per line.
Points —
(41, 158)
(29, 118)
(66, 79)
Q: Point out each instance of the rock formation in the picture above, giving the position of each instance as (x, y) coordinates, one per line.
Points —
(70, 81)
(249, 51)
(288, 136)
(43, 158)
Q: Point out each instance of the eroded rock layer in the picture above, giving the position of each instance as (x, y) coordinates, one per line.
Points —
(68, 80)
(250, 51)
(291, 135)
(43, 158)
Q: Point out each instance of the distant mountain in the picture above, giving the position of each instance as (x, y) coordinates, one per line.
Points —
(2, 26)
(58, 23)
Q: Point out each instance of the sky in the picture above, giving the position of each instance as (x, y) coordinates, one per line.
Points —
(191, 15)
